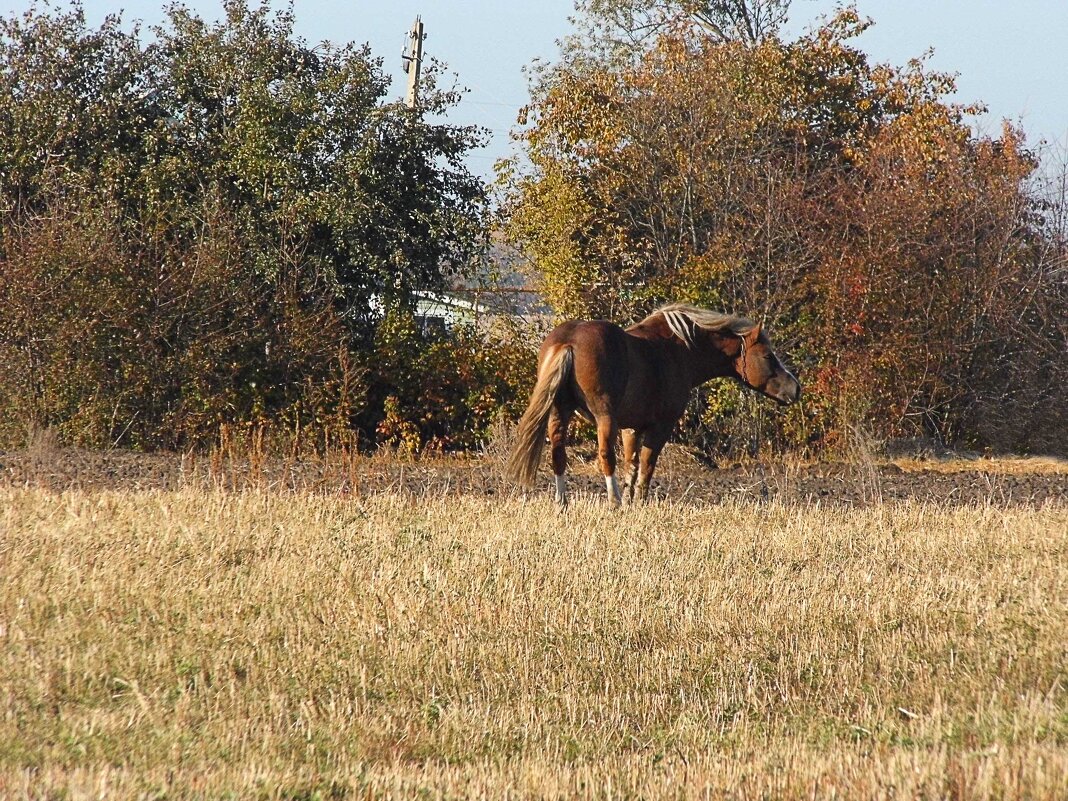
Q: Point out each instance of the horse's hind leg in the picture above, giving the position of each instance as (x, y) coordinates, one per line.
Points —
(654, 443)
(606, 456)
(632, 443)
(558, 422)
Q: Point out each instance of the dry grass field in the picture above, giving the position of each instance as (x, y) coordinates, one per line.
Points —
(195, 643)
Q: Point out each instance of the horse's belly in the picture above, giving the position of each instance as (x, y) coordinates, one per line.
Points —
(648, 412)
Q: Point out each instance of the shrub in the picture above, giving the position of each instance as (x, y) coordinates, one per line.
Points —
(111, 338)
(443, 391)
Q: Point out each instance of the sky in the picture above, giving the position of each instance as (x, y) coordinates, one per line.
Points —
(1010, 55)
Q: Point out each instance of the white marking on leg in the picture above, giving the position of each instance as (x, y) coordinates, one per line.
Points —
(613, 489)
(561, 490)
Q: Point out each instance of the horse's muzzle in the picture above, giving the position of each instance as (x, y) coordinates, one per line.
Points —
(783, 389)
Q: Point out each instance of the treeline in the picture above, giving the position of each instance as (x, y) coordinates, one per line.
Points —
(914, 271)
(217, 225)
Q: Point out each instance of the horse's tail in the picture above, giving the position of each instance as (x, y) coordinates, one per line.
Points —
(530, 434)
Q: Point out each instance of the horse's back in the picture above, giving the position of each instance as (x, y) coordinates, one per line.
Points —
(595, 336)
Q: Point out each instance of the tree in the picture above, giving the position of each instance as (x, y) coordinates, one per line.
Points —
(847, 204)
(625, 28)
(75, 107)
(206, 228)
(299, 140)
(296, 142)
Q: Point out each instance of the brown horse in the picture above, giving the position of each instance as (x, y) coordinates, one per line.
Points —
(637, 381)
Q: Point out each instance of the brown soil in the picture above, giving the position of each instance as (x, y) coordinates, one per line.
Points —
(680, 476)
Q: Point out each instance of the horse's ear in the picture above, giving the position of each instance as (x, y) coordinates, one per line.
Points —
(754, 335)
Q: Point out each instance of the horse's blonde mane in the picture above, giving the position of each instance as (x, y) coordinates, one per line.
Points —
(682, 317)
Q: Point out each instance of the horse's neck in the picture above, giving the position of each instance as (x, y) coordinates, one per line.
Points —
(714, 358)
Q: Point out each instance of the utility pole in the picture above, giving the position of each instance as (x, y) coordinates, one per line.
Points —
(413, 60)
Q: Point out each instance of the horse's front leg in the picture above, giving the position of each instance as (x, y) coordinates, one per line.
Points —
(606, 456)
(632, 442)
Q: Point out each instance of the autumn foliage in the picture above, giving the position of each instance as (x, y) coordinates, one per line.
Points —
(220, 226)
(900, 260)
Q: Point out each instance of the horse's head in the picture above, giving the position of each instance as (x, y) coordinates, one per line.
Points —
(758, 367)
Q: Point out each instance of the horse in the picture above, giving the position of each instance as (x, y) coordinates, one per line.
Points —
(637, 382)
